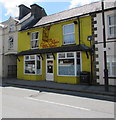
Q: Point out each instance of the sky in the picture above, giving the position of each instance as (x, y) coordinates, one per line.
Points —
(10, 7)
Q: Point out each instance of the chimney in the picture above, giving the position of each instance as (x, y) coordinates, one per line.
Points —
(37, 11)
(23, 11)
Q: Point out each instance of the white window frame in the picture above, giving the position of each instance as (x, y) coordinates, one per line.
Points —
(10, 46)
(34, 40)
(75, 63)
(35, 64)
(110, 63)
(68, 34)
(110, 26)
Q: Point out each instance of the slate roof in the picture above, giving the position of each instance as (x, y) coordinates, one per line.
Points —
(25, 18)
(74, 12)
(55, 50)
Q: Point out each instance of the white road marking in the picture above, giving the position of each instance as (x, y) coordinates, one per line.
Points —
(59, 104)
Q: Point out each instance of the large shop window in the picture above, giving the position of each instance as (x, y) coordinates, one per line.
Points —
(68, 34)
(112, 25)
(111, 64)
(69, 64)
(32, 64)
(34, 40)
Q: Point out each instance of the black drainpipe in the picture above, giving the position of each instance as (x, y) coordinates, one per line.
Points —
(105, 55)
(79, 30)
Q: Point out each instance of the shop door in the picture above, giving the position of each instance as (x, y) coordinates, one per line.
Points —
(49, 69)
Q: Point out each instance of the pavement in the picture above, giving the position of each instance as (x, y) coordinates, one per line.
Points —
(80, 88)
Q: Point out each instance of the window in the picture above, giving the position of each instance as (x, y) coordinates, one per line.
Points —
(69, 64)
(111, 64)
(32, 64)
(11, 27)
(112, 26)
(68, 34)
(34, 40)
(10, 43)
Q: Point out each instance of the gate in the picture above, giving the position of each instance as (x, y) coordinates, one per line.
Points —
(12, 71)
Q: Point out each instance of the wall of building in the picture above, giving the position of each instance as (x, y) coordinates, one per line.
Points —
(1, 50)
(8, 57)
(55, 33)
(110, 49)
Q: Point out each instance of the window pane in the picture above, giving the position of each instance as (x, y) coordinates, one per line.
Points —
(61, 55)
(112, 20)
(10, 43)
(38, 57)
(26, 57)
(49, 56)
(50, 66)
(114, 68)
(113, 31)
(78, 55)
(69, 39)
(69, 28)
(70, 54)
(78, 63)
(38, 67)
(32, 57)
(30, 67)
(66, 67)
(34, 44)
(35, 35)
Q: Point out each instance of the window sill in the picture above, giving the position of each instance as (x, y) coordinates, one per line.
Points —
(111, 38)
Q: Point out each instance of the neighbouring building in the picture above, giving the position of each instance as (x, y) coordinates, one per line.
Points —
(1, 48)
(8, 43)
(110, 31)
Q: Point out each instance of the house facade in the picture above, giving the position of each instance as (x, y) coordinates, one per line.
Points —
(8, 48)
(8, 43)
(110, 32)
(56, 48)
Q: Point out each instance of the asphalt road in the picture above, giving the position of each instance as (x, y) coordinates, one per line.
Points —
(26, 103)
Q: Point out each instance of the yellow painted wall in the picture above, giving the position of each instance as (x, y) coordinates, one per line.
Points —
(55, 33)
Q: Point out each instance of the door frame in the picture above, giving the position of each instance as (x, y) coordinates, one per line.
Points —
(48, 59)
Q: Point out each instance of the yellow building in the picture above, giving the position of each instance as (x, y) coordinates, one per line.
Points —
(56, 48)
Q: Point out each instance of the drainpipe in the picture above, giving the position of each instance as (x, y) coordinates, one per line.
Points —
(79, 30)
(105, 55)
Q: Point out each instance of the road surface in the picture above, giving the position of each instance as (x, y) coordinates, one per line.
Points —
(27, 103)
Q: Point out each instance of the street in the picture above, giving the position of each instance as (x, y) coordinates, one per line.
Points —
(27, 103)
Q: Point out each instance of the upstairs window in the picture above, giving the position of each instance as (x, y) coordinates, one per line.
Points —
(68, 34)
(112, 26)
(34, 40)
(11, 27)
(10, 43)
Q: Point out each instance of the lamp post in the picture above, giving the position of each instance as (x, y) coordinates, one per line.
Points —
(104, 47)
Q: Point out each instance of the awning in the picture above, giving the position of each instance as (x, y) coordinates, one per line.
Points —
(55, 50)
